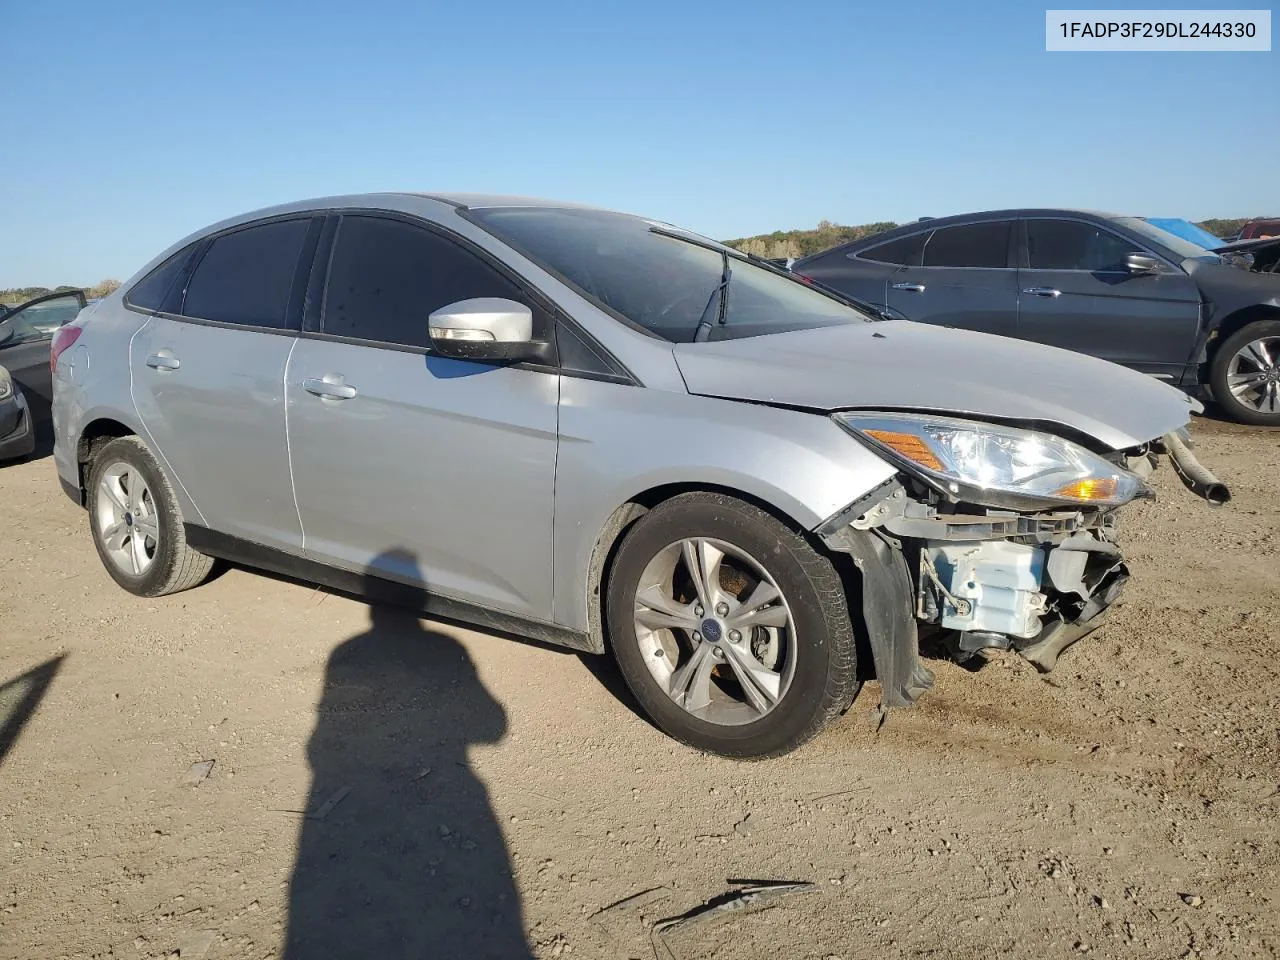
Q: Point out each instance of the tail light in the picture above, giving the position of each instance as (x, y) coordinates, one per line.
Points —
(63, 338)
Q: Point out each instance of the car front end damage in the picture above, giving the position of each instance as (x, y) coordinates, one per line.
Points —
(991, 537)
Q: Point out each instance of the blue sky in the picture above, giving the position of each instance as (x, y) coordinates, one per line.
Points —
(129, 124)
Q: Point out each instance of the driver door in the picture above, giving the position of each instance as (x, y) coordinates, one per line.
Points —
(25, 334)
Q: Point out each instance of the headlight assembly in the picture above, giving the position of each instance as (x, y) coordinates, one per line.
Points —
(6, 384)
(993, 465)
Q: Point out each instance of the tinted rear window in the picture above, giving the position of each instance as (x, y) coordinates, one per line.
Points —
(246, 276)
(903, 251)
(151, 291)
(969, 245)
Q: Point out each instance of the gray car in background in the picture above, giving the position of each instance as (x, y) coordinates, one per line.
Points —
(1119, 288)
(609, 433)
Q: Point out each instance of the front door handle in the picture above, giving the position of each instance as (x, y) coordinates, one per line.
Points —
(913, 287)
(1043, 291)
(163, 360)
(329, 387)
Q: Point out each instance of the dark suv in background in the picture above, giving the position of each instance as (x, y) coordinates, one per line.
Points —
(1115, 287)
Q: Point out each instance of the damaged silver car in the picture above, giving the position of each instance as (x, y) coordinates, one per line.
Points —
(608, 433)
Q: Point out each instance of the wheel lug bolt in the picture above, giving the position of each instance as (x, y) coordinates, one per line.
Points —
(722, 609)
(719, 653)
(697, 610)
(734, 636)
(697, 637)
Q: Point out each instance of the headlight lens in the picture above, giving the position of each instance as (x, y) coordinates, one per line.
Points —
(996, 466)
(6, 384)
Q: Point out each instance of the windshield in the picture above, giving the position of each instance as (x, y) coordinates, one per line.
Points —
(658, 282)
(1179, 246)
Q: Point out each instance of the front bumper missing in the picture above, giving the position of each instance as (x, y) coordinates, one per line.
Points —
(1033, 583)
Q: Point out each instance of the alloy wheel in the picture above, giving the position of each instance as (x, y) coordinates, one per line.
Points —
(127, 520)
(715, 631)
(1253, 375)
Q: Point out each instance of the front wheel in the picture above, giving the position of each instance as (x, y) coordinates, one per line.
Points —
(731, 630)
(1246, 374)
(136, 523)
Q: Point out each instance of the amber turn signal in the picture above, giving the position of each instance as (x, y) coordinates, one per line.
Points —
(909, 445)
(1090, 490)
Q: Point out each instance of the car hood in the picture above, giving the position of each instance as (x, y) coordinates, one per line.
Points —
(1247, 246)
(900, 365)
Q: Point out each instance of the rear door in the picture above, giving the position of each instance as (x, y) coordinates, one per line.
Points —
(965, 278)
(1075, 292)
(25, 335)
(208, 377)
(863, 273)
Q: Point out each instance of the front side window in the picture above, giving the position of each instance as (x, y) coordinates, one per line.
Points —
(969, 245)
(38, 321)
(246, 277)
(386, 277)
(1075, 245)
(658, 282)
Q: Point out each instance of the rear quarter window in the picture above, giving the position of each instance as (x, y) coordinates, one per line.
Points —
(904, 251)
(155, 289)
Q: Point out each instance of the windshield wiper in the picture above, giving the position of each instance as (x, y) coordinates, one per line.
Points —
(703, 329)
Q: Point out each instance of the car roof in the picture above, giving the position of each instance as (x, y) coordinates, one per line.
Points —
(475, 201)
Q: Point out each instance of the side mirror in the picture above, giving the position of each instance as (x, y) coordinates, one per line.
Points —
(485, 328)
(1139, 264)
(885, 312)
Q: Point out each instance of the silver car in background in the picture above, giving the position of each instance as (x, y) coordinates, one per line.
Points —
(609, 433)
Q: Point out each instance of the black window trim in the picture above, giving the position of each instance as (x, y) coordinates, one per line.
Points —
(293, 312)
(1024, 255)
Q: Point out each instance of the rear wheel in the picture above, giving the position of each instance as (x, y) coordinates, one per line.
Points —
(1246, 374)
(731, 630)
(136, 525)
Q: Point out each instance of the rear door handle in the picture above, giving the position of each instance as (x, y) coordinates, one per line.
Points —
(330, 387)
(163, 360)
(913, 287)
(1043, 291)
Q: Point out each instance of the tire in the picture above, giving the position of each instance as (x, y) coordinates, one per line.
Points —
(1260, 404)
(140, 538)
(807, 666)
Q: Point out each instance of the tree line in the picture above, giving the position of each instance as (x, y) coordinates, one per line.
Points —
(16, 295)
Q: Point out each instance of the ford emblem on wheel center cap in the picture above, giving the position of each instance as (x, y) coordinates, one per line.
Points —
(711, 631)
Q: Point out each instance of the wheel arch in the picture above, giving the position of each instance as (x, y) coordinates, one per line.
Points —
(631, 510)
(97, 433)
(1232, 324)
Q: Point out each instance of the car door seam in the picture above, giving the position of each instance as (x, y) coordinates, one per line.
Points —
(288, 443)
(142, 424)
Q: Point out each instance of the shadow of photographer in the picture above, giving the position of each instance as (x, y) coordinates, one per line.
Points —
(400, 854)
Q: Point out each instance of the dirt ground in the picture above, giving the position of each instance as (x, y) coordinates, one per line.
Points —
(385, 787)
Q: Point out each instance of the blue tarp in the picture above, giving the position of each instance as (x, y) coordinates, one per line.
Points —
(1186, 230)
